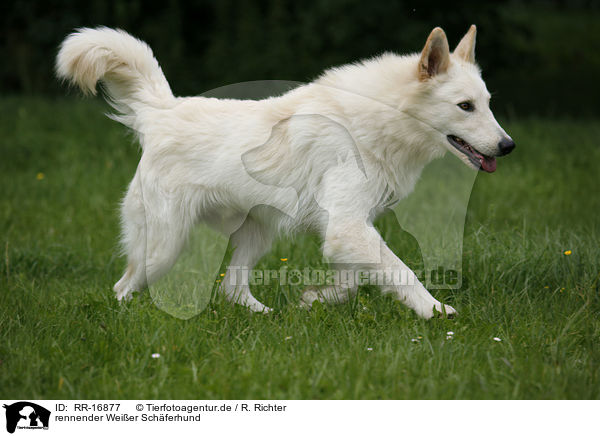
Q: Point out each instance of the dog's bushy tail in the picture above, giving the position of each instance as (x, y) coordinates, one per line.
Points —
(125, 67)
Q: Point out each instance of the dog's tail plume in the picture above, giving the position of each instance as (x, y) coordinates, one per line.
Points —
(125, 67)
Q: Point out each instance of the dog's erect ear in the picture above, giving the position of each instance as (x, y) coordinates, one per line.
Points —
(435, 57)
(466, 47)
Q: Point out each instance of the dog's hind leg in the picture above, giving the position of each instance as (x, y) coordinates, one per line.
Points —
(250, 243)
(133, 240)
(153, 236)
(327, 294)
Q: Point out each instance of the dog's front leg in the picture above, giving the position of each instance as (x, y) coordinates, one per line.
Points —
(409, 289)
(358, 246)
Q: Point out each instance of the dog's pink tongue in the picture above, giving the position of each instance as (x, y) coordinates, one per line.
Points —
(488, 164)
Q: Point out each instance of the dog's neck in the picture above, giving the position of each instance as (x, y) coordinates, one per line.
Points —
(379, 119)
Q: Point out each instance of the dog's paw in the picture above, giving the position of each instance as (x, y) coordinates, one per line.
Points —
(308, 298)
(123, 289)
(124, 295)
(266, 310)
(437, 310)
(256, 306)
(444, 311)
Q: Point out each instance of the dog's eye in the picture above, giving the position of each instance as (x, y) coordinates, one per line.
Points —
(466, 106)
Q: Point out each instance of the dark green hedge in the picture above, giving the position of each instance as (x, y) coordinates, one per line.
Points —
(537, 57)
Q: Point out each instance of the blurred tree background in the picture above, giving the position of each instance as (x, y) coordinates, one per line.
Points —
(540, 57)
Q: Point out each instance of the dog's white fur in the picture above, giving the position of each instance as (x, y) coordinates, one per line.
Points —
(397, 109)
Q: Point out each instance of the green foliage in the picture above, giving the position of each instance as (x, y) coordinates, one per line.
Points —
(537, 57)
(64, 335)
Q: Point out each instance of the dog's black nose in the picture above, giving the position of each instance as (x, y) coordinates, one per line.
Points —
(506, 146)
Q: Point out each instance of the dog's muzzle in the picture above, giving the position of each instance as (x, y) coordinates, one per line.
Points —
(506, 146)
(479, 160)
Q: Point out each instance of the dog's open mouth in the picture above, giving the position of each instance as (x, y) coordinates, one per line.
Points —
(481, 161)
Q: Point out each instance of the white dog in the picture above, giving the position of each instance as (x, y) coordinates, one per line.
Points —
(202, 156)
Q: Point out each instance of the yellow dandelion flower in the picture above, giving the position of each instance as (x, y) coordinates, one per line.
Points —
(222, 275)
(40, 176)
(284, 259)
(568, 253)
(218, 280)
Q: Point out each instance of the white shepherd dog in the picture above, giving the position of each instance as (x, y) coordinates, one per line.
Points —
(398, 113)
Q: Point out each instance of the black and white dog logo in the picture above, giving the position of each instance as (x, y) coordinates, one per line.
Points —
(26, 415)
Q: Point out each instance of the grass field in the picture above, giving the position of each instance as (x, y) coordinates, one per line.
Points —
(63, 169)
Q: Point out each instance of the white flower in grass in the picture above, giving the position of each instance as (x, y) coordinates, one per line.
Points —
(414, 340)
(155, 355)
(450, 333)
(369, 349)
(448, 337)
(497, 339)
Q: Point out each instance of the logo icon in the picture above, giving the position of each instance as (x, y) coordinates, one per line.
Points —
(26, 415)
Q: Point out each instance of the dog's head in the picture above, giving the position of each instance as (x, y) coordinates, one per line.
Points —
(455, 102)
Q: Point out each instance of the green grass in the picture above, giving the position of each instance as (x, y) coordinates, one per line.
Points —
(63, 335)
